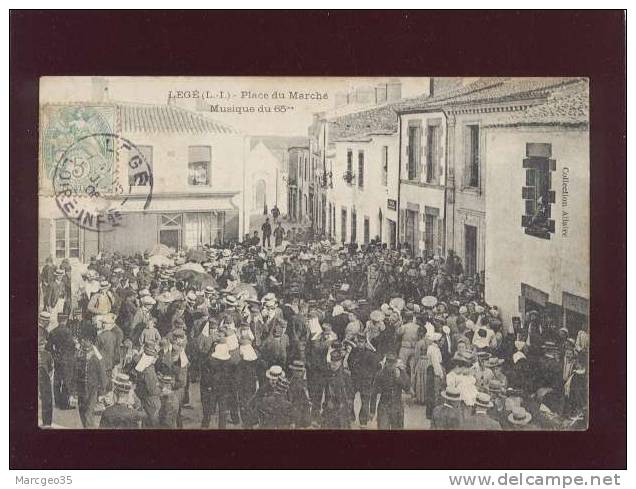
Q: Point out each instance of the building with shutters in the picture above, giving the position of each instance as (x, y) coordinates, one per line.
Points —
(362, 197)
(538, 226)
(198, 170)
(443, 163)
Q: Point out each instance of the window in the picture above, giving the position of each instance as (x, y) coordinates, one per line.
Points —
(361, 169)
(354, 227)
(414, 151)
(199, 160)
(138, 176)
(170, 230)
(537, 193)
(472, 155)
(366, 230)
(432, 153)
(202, 228)
(67, 239)
(385, 165)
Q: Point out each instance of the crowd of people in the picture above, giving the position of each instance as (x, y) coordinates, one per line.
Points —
(304, 334)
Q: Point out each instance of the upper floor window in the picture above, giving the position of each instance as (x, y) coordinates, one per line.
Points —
(471, 168)
(138, 177)
(361, 169)
(432, 152)
(537, 193)
(199, 161)
(348, 175)
(385, 165)
(414, 151)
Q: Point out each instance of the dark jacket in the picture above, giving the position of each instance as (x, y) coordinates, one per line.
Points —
(120, 417)
(364, 365)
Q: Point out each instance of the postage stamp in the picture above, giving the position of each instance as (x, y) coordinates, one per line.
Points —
(91, 170)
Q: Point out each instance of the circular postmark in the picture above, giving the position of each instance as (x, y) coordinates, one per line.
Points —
(98, 178)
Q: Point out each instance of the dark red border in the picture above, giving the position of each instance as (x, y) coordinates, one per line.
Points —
(590, 43)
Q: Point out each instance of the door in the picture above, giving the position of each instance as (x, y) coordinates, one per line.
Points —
(392, 233)
(260, 195)
(470, 249)
(429, 234)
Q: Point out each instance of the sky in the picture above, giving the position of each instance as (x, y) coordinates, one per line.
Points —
(286, 117)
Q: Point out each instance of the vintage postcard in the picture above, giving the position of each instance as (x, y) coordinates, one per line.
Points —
(314, 253)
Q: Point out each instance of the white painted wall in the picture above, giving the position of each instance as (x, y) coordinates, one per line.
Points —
(560, 264)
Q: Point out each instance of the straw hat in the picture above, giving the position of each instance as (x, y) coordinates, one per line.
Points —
(519, 416)
(483, 400)
(451, 393)
(429, 301)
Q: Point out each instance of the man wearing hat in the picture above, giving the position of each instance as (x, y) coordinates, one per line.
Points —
(102, 302)
(299, 395)
(147, 384)
(273, 407)
(91, 381)
(448, 416)
(44, 319)
(62, 347)
(109, 343)
(408, 336)
(480, 420)
(215, 384)
(120, 416)
(45, 367)
(174, 362)
(364, 364)
(389, 383)
(168, 417)
(144, 319)
(338, 404)
(56, 295)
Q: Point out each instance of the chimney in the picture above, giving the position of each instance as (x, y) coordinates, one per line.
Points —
(439, 85)
(100, 89)
(393, 90)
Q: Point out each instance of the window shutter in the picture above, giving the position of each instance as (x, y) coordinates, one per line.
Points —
(525, 221)
(91, 242)
(466, 178)
(528, 193)
(438, 153)
(44, 239)
(420, 153)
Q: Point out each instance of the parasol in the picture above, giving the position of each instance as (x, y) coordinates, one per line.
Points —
(247, 290)
(159, 260)
(195, 267)
(161, 249)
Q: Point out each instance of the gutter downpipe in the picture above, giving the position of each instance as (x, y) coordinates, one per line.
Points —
(445, 249)
(399, 193)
